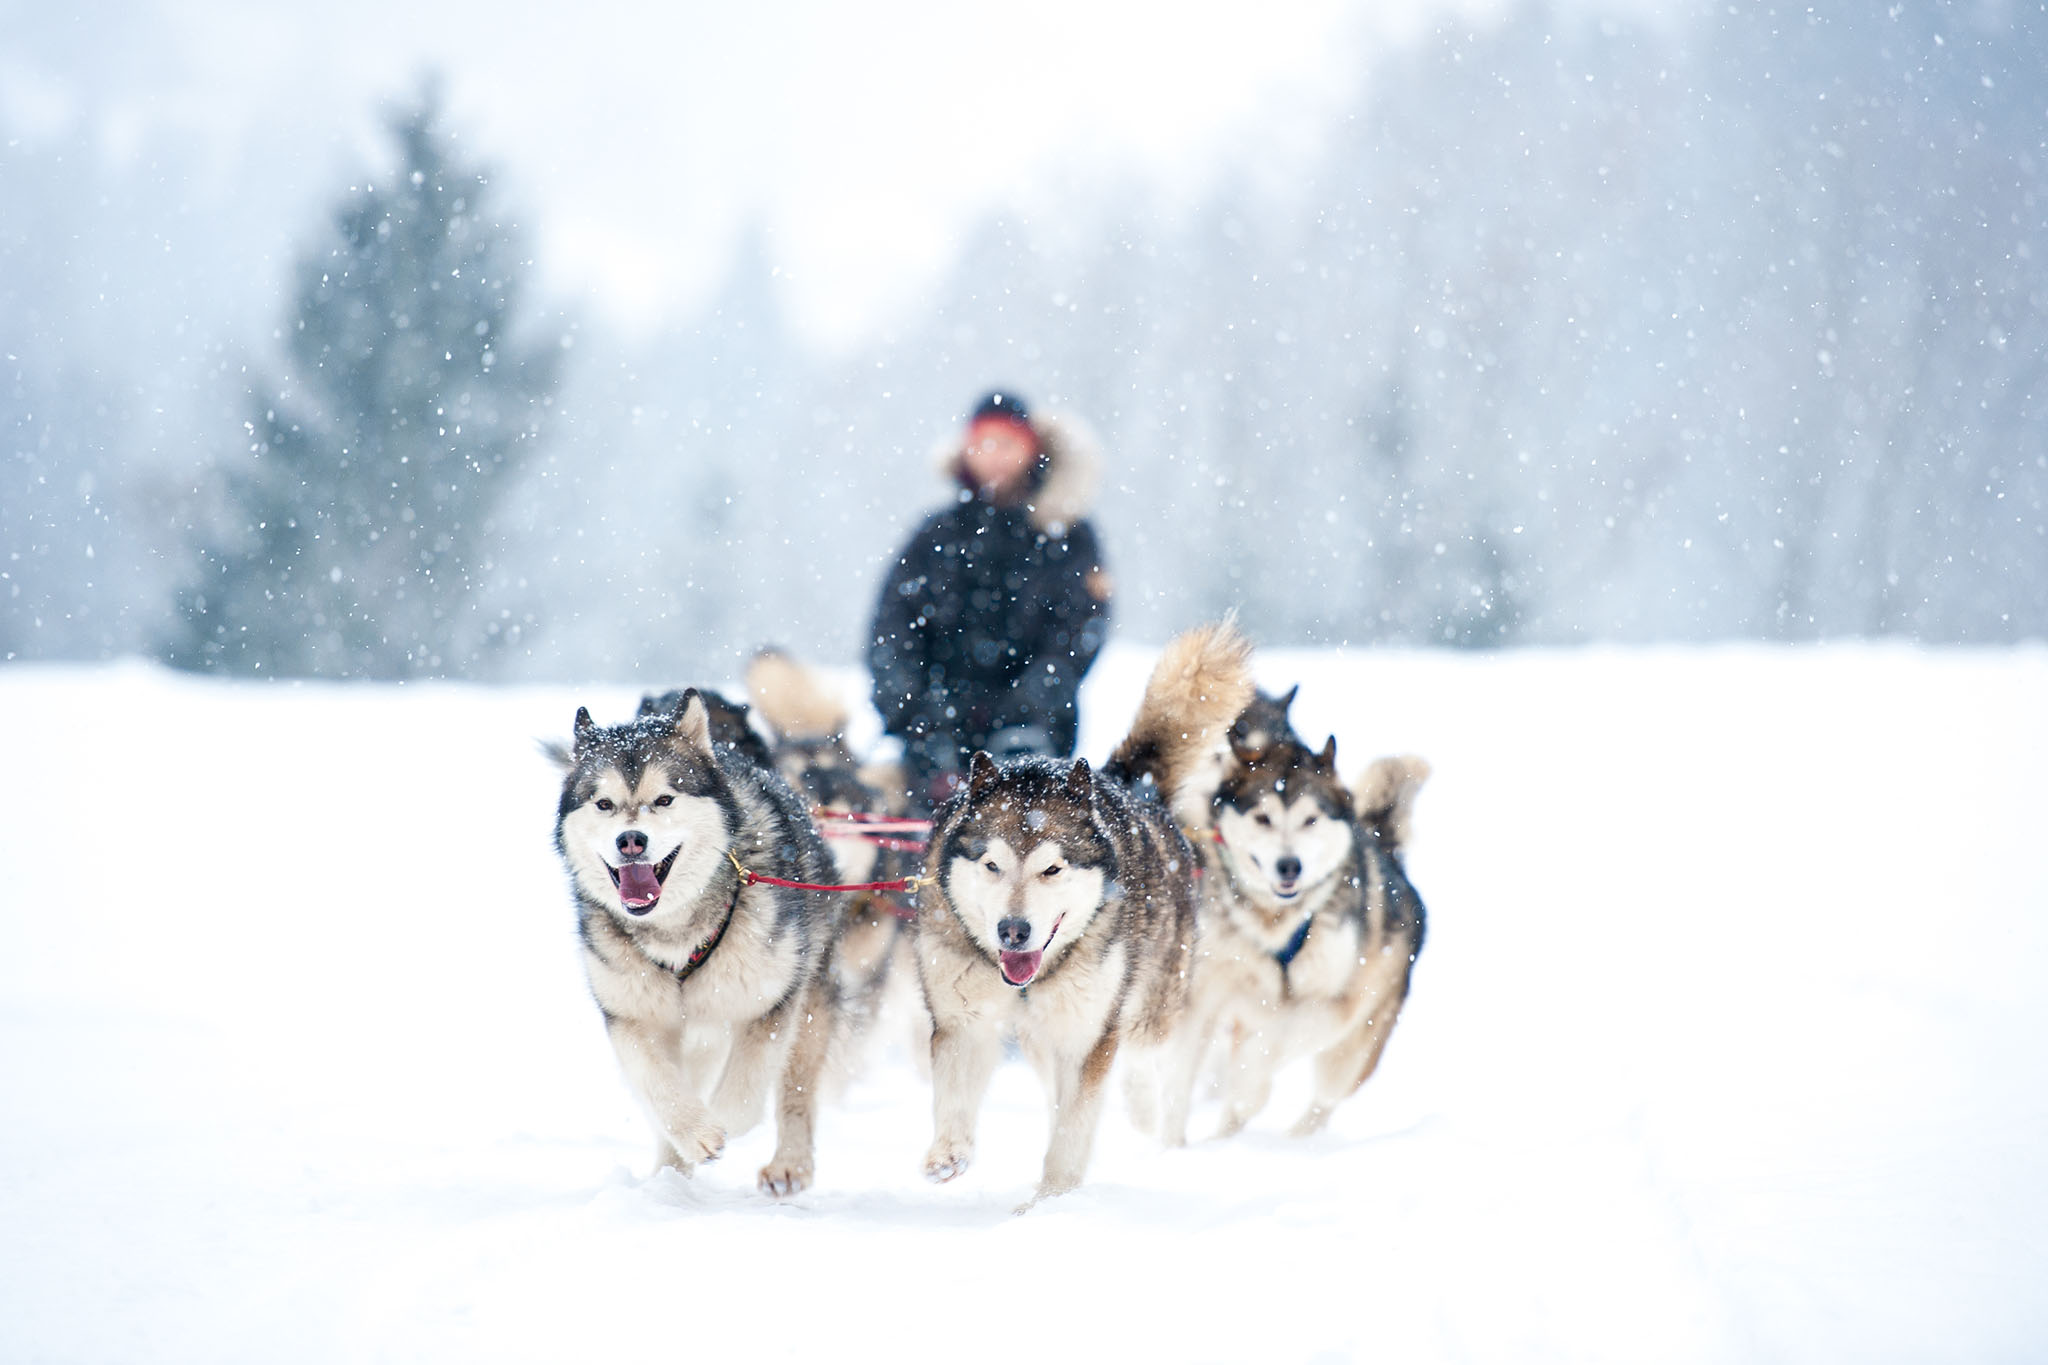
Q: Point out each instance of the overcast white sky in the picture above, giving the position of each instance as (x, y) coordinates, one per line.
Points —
(640, 139)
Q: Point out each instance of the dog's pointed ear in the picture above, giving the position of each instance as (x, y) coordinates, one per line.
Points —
(1326, 761)
(692, 734)
(981, 774)
(585, 730)
(1287, 699)
(1080, 781)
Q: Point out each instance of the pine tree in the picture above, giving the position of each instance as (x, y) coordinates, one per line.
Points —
(360, 528)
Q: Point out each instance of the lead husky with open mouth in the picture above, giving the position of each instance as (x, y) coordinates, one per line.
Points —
(1059, 908)
(708, 981)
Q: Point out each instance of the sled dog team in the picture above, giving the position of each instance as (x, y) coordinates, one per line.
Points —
(1214, 901)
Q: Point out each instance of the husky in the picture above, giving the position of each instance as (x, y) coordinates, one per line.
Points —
(1310, 926)
(1262, 724)
(808, 726)
(1059, 910)
(715, 989)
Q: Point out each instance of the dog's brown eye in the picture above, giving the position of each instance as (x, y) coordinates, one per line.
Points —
(991, 866)
(664, 800)
(1263, 822)
(1052, 871)
(603, 803)
(1310, 821)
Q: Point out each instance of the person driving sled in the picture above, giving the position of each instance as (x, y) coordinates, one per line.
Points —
(997, 604)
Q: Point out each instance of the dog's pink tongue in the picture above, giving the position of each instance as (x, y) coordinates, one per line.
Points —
(638, 885)
(1019, 968)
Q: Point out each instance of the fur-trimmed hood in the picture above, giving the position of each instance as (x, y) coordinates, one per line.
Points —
(1073, 464)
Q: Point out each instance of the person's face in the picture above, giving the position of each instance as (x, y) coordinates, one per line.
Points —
(999, 454)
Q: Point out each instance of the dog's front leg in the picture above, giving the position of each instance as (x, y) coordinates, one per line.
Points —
(757, 1050)
(650, 1055)
(964, 1057)
(1180, 1061)
(1347, 1065)
(917, 1029)
(1077, 1105)
(791, 1168)
(1247, 1077)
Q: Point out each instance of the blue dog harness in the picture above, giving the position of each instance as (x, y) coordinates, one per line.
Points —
(1293, 948)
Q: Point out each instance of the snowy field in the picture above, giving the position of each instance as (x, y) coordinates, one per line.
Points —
(1730, 1043)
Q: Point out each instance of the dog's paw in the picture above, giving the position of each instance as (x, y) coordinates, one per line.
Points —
(1311, 1123)
(700, 1142)
(946, 1160)
(1052, 1187)
(780, 1179)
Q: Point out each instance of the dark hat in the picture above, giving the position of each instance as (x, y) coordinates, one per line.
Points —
(1000, 403)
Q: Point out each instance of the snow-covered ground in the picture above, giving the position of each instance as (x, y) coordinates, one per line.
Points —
(1730, 1043)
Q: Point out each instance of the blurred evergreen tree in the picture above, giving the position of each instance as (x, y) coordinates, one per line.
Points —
(360, 530)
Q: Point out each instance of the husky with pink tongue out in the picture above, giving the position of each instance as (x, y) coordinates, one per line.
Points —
(717, 992)
(1059, 910)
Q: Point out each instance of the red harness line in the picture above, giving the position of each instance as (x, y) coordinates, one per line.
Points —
(879, 830)
(897, 845)
(910, 884)
(893, 824)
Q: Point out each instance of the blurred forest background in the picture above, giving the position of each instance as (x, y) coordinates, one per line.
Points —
(1578, 326)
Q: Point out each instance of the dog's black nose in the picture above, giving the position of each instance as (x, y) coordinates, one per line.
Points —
(1014, 934)
(1288, 869)
(632, 843)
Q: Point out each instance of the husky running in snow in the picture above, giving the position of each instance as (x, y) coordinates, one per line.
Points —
(1059, 909)
(716, 992)
(1310, 926)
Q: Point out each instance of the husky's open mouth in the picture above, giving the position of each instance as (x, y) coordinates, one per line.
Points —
(1019, 969)
(640, 883)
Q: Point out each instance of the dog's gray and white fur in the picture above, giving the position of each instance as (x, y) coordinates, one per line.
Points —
(1310, 926)
(1060, 910)
(714, 993)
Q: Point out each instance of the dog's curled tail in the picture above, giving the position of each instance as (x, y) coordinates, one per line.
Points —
(1384, 798)
(1196, 689)
(796, 703)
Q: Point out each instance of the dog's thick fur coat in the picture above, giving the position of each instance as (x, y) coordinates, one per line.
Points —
(1059, 909)
(714, 992)
(1310, 926)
